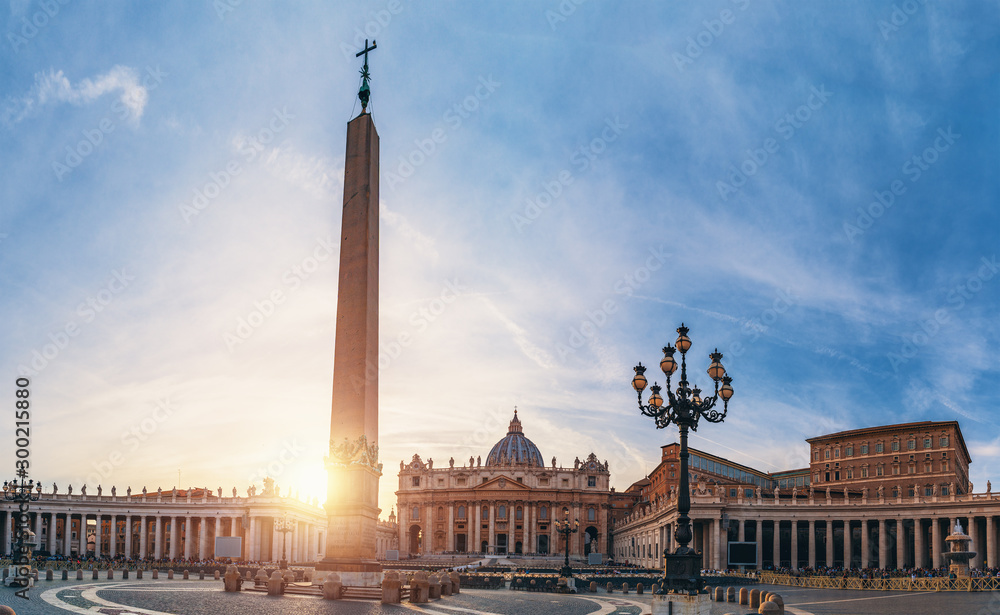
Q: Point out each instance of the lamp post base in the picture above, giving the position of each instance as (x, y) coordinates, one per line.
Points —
(682, 604)
(682, 573)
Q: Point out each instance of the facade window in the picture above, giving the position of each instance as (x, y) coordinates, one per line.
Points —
(415, 513)
(895, 492)
(895, 446)
(944, 466)
(927, 442)
(543, 512)
(878, 470)
(879, 448)
(850, 473)
(912, 469)
(461, 512)
(864, 472)
(416, 481)
(927, 466)
(944, 489)
(732, 493)
(895, 469)
(591, 514)
(591, 481)
(543, 481)
(911, 445)
(864, 448)
(816, 456)
(928, 490)
(826, 454)
(502, 512)
(748, 493)
(850, 450)
(565, 482)
(944, 441)
(836, 453)
(486, 513)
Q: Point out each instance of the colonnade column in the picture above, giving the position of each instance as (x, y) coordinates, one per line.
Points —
(865, 546)
(829, 543)
(158, 537)
(900, 544)
(883, 544)
(977, 561)
(251, 546)
(991, 541)
(52, 532)
(812, 544)
(759, 537)
(847, 543)
(919, 552)
(67, 533)
(776, 546)
(113, 536)
(935, 542)
(203, 538)
(97, 537)
(795, 545)
(129, 553)
(38, 527)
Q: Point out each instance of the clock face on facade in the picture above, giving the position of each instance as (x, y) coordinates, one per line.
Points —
(592, 465)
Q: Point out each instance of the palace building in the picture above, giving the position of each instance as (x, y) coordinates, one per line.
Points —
(882, 497)
(505, 505)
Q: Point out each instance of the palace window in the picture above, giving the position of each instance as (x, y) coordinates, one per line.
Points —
(486, 513)
(591, 481)
(927, 442)
(519, 514)
(816, 456)
(895, 446)
(502, 512)
(944, 466)
(836, 453)
(928, 490)
(927, 466)
(850, 450)
(732, 493)
(416, 481)
(461, 512)
(879, 471)
(878, 447)
(895, 469)
(826, 454)
(864, 472)
(543, 512)
(944, 441)
(864, 448)
(591, 514)
(911, 445)
(895, 492)
(912, 469)
(850, 473)
(565, 482)
(944, 489)
(415, 513)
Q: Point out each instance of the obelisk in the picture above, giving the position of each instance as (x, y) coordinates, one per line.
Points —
(353, 467)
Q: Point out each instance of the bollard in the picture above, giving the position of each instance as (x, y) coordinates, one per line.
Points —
(392, 588)
(79, 575)
(720, 594)
(276, 585)
(65, 575)
(655, 589)
(138, 573)
(433, 587)
(170, 573)
(638, 588)
(124, 573)
(201, 575)
(593, 587)
(744, 596)
(730, 594)
(48, 574)
(445, 583)
(769, 607)
(754, 598)
(217, 573)
(624, 588)
(233, 581)
(93, 574)
(111, 574)
(288, 576)
(156, 573)
(610, 588)
(776, 598)
(456, 580)
(260, 578)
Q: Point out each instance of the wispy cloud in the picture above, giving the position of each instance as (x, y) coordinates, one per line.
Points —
(53, 87)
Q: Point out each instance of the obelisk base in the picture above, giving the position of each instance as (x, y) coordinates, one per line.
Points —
(682, 604)
(352, 573)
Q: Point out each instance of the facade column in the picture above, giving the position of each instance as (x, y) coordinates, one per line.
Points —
(795, 544)
(490, 538)
(67, 533)
(865, 546)
(429, 532)
(900, 544)
(203, 538)
(188, 537)
(935, 542)
(883, 544)
(812, 544)
(476, 523)
(759, 537)
(919, 552)
(847, 543)
(143, 536)
(175, 536)
(97, 537)
(776, 546)
(53, 518)
(529, 528)
(158, 538)
(451, 528)
(991, 541)
(251, 546)
(129, 552)
(294, 555)
(977, 561)
(38, 527)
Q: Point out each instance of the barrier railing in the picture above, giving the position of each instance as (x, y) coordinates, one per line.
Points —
(905, 584)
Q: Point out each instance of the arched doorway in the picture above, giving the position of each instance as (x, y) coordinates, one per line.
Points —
(590, 540)
(517, 547)
(414, 539)
(460, 543)
(501, 544)
(483, 546)
(543, 544)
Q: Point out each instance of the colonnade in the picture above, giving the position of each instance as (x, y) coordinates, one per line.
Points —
(889, 541)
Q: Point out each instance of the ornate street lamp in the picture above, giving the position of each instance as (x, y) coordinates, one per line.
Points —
(682, 570)
(566, 529)
(283, 525)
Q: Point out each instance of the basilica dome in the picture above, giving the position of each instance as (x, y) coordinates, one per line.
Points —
(514, 449)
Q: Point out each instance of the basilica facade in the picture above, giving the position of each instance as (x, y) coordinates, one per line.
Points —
(509, 504)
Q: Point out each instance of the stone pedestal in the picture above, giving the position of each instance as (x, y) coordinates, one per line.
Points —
(682, 604)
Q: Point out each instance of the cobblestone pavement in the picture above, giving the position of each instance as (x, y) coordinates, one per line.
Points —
(176, 597)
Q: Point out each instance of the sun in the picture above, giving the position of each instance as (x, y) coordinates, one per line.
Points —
(310, 482)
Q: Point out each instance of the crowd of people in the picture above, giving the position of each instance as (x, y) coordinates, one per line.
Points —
(884, 573)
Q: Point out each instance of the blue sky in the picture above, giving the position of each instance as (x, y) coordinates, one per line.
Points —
(811, 188)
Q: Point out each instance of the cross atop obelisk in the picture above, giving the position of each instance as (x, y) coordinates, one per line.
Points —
(365, 92)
